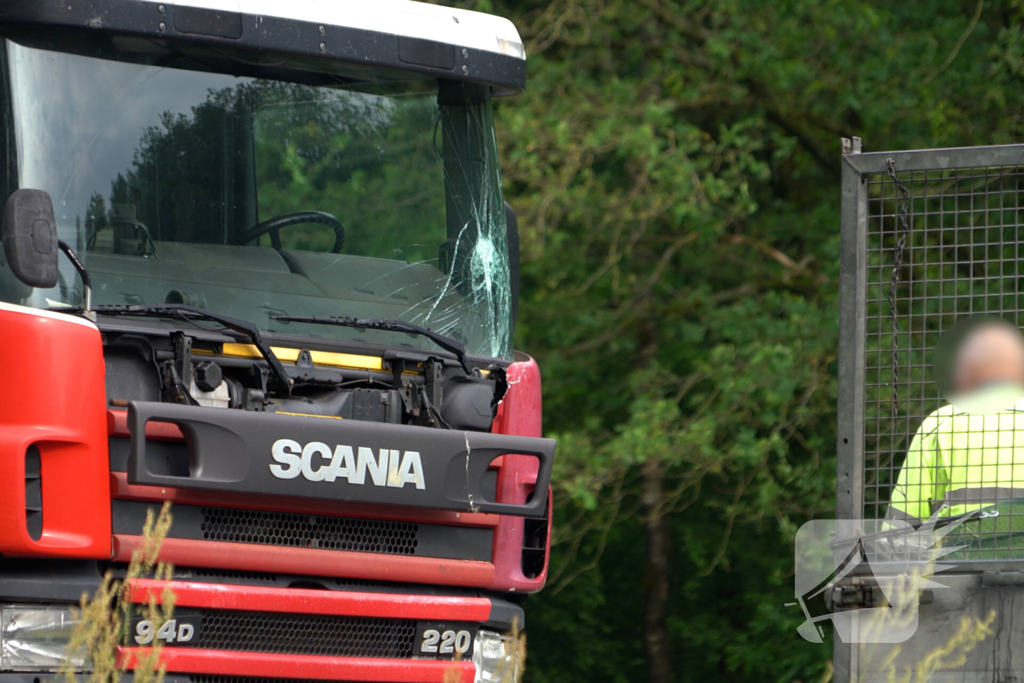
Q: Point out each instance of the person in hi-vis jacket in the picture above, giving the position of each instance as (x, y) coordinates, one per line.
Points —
(969, 454)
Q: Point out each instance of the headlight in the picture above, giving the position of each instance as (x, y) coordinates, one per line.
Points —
(498, 657)
(35, 637)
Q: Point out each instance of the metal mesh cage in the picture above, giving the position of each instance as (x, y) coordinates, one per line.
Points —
(961, 259)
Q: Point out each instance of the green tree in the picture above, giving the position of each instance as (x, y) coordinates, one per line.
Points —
(674, 165)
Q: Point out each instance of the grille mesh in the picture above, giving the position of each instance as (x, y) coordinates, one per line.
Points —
(961, 262)
(306, 634)
(192, 573)
(310, 531)
(208, 573)
(962, 259)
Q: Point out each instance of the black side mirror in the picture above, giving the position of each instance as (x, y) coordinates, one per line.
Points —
(512, 237)
(29, 233)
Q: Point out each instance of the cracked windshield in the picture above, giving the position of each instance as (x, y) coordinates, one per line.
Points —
(259, 198)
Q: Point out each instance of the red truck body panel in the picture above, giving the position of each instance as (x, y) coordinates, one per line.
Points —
(519, 413)
(309, 601)
(303, 667)
(52, 396)
(313, 562)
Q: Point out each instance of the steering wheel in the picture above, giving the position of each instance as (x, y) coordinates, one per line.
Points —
(273, 224)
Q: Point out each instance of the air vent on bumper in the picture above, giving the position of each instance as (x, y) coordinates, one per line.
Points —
(33, 493)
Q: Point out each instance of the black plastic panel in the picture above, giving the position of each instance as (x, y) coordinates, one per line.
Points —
(426, 53)
(535, 547)
(206, 22)
(29, 232)
(258, 453)
(164, 457)
(33, 493)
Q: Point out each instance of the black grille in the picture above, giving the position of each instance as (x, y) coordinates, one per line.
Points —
(310, 531)
(369, 583)
(306, 634)
(227, 574)
(33, 493)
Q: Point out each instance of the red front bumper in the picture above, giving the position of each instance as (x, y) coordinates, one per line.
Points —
(310, 601)
(307, 601)
(218, 663)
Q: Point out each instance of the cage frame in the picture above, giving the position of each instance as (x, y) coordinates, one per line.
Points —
(856, 171)
(857, 168)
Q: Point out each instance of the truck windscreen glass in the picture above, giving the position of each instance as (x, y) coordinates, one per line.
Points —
(259, 198)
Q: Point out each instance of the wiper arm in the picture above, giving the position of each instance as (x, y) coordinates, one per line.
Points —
(187, 312)
(445, 342)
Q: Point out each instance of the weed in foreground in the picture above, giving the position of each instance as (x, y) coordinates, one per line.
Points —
(102, 628)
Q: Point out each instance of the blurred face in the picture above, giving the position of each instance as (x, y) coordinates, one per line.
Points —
(992, 353)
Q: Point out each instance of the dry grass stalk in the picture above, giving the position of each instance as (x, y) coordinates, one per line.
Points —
(102, 628)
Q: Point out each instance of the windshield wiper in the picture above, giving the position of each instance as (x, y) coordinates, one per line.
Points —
(446, 343)
(192, 313)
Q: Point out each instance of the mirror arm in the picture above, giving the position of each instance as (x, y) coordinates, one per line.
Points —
(83, 273)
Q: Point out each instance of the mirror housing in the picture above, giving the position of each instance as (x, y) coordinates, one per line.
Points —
(512, 238)
(29, 232)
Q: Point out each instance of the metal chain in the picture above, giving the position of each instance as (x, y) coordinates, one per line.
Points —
(902, 230)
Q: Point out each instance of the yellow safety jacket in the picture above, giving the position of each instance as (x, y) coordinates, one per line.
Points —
(963, 457)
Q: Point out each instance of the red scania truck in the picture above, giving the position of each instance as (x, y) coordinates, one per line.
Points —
(257, 262)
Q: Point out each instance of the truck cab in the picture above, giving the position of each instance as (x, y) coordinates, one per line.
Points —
(257, 262)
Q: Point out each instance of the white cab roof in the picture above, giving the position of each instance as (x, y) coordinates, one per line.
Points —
(398, 17)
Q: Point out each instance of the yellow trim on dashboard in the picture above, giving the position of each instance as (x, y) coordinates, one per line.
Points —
(329, 417)
(289, 355)
(346, 360)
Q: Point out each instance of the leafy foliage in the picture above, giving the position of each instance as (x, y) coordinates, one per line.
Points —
(103, 622)
(674, 165)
